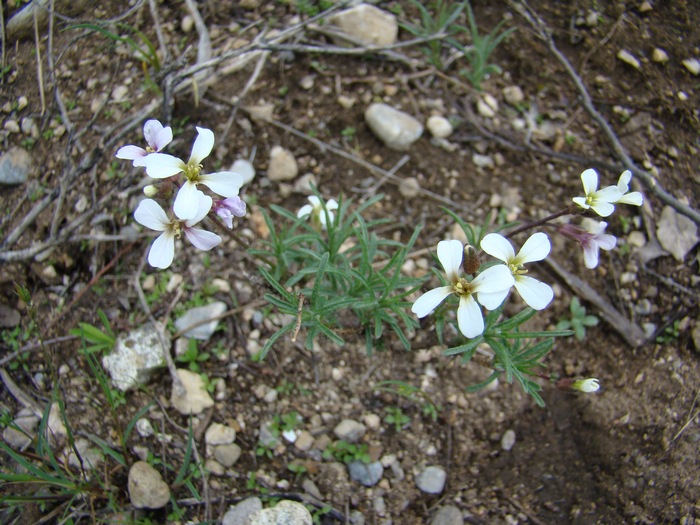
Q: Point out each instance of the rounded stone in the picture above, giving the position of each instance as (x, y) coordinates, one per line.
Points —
(431, 480)
(147, 490)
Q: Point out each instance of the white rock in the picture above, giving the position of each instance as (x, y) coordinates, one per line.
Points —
(346, 102)
(227, 455)
(373, 421)
(286, 512)
(692, 65)
(398, 130)
(482, 161)
(120, 92)
(677, 233)
(27, 421)
(439, 126)
(628, 58)
(244, 168)
(262, 112)
(90, 456)
(409, 187)
(513, 95)
(135, 356)
(367, 25)
(307, 82)
(195, 399)
(218, 434)
(147, 490)
(283, 165)
(659, 56)
(187, 24)
(12, 126)
(484, 109)
(22, 103)
(196, 315)
(508, 440)
(349, 430)
(305, 440)
(491, 101)
(144, 428)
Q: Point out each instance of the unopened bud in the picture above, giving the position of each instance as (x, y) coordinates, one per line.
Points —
(471, 263)
(586, 385)
(150, 191)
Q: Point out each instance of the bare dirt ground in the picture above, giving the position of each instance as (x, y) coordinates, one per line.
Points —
(627, 454)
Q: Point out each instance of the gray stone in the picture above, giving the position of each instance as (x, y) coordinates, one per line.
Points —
(195, 399)
(9, 317)
(676, 233)
(483, 161)
(15, 165)
(431, 480)
(286, 512)
(147, 490)
(448, 515)
(398, 130)
(692, 65)
(135, 356)
(227, 455)
(241, 513)
(311, 489)
(21, 437)
(410, 187)
(368, 474)
(90, 457)
(283, 166)
(349, 430)
(367, 25)
(197, 315)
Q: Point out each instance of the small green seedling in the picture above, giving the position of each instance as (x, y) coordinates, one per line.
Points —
(192, 357)
(396, 417)
(579, 320)
(347, 452)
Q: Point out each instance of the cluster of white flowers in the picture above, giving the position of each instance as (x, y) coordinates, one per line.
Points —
(191, 205)
(490, 287)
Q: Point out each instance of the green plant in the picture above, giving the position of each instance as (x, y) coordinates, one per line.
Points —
(192, 357)
(347, 452)
(14, 339)
(579, 320)
(434, 27)
(330, 279)
(28, 143)
(395, 416)
(412, 393)
(100, 341)
(479, 53)
(670, 333)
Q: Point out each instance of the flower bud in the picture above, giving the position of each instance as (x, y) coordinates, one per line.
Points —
(471, 263)
(586, 385)
(150, 191)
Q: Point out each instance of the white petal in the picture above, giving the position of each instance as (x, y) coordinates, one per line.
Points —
(313, 200)
(581, 201)
(245, 169)
(590, 254)
(427, 302)
(608, 194)
(131, 153)
(604, 209)
(202, 147)
(202, 239)
(469, 318)
(151, 215)
(491, 301)
(590, 181)
(450, 256)
(204, 203)
(305, 210)
(322, 217)
(164, 137)
(162, 250)
(536, 248)
(536, 294)
(605, 241)
(623, 183)
(493, 280)
(498, 246)
(161, 165)
(151, 130)
(225, 183)
(331, 205)
(635, 199)
(186, 203)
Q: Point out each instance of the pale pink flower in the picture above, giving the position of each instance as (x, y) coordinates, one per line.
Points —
(592, 239)
(157, 137)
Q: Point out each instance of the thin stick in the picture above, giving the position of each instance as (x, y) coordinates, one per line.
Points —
(300, 310)
(39, 69)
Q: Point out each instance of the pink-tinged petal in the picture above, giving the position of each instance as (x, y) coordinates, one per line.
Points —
(623, 184)
(204, 203)
(536, 248)
(202, 239)
(635, 199)
(536, 294)
(469, 317)
(581, 201)
(225, 216)
(450, 255)
(491, 301)
(605, 241)
(604, 209)
(186, 202)
(162, 250)
(427, 302)
(151, 215)
(151, 129)
(589, 178)
(224, 183)
(202, 147)
(498, 246)
(235, 205)
(590, 254)
(161, 138)
(493, 280)
(305, 210)
(131, 153)
(162, 165)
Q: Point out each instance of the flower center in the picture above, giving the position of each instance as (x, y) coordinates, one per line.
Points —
(462, 287)
(517, 269)
(192, 172)
(177, 229)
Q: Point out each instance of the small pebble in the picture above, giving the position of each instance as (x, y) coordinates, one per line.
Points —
(692, 65)
(659, 56)
(410, 187)
(431, 480)
(508, 440)
(628, 58)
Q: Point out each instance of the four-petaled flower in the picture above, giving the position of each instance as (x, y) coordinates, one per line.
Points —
(600, 201)
(229, 208)
(586, 385)
(592, 239)
(225, 183)
(157, 137)
(626, 197)
(162, 251)
(486, 287)
(535, 293)
(315, 210)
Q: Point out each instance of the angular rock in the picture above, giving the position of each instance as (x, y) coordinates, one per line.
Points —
(15, 166)
(20, 434)
(227, 455)
(366, 25)
(431, 480)
(398, 130)
(368, 474)
(218, 434)
(197, 315)
(135, 356)
(195, 398)
(676, 233)
(242, 512)
(147, 490)
(286, 512)
(350, 430)
(283, 165)
(692, 65)
(628, 58)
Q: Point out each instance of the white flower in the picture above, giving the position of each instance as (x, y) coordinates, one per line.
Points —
(600, 201)
(535, 293)
(586, 385)
(592, 239)
(224, 183)
(229, 208)
(626, 197)
(487, 284)
(315, 211)
(162, 252)
(157, 137)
